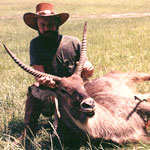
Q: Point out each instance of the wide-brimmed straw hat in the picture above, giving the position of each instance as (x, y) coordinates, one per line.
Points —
(44, 10)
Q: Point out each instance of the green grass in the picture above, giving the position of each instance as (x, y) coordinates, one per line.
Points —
(84, 7)
(113, 44)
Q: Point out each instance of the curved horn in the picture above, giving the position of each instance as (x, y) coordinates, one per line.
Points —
(82, 59)
(29, 69)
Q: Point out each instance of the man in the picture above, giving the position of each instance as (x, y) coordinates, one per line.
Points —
(52, 53)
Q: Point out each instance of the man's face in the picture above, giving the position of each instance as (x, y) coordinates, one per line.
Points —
(47, 26)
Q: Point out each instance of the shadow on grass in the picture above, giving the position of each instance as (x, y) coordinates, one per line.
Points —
(15, 127)
(46, 139)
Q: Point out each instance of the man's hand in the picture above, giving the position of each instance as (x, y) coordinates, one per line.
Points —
(88, 69)
(49, 82)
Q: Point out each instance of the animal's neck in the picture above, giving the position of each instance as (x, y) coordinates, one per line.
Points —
(90, 126)
(105, 125)
(69, 120)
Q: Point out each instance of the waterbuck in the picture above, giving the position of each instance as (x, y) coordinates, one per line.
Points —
(104, 108)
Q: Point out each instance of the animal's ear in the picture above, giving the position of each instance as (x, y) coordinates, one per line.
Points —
(41, 94)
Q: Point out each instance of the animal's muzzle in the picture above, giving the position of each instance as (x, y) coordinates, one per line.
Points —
(88, 106)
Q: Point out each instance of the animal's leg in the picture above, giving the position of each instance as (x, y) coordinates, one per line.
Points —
(130, 76)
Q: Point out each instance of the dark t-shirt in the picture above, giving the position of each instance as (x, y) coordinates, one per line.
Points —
(57, 58)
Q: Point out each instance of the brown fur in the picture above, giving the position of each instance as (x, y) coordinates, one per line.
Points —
(116, 115)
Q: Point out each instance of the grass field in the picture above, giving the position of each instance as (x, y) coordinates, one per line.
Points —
(113, 44)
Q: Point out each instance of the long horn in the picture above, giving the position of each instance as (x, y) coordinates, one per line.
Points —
(29, 69)
(82, 59)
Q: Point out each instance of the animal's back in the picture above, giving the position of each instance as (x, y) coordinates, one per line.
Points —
(113, 93)
(117, 83)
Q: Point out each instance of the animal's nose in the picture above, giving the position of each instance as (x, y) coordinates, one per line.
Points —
(87, 105)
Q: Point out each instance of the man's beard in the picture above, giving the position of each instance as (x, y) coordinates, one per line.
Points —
(49, 35)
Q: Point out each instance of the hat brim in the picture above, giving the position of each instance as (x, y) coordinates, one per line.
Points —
(31, 19)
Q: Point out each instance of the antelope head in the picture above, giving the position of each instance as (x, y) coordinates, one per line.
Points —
(73, 101)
